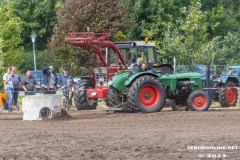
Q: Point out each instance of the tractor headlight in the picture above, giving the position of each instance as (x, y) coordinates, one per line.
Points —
(110, 83)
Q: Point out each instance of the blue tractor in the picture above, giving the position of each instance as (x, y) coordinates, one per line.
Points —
(228, 81)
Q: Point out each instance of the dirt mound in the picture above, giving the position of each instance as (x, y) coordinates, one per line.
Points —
(65, 115)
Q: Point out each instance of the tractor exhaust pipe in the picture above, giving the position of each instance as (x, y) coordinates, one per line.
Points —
(174, 65)
(207, 77)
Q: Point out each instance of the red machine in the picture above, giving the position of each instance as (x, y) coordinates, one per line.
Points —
(90, 88)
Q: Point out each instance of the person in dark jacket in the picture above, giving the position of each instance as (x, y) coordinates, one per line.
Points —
(137, 67)
(16, 85)
(29, 84)
(49, 80)
(64, 78)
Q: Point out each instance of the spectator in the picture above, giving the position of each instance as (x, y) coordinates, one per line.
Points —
(29, 84)
(144, 67)
(137, 67)
(49, 80)
(16, 85)
(8, 86)
(68, 92)
(66, 76)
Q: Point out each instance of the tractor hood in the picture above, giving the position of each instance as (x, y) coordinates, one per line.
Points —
(181, 76)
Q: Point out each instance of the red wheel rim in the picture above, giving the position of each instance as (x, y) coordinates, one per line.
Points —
(199, 101)
(231, 95)
(149, 96)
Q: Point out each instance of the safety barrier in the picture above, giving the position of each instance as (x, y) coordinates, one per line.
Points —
(38, 107)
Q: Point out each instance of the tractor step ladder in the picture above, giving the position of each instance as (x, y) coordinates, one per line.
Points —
(86, 36)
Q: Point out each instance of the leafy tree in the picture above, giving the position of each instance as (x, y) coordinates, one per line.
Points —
(152, 18)
(189, 43)
(10, 40)
(76, 16)
(38, 17)
(226, 50)
(42, 59)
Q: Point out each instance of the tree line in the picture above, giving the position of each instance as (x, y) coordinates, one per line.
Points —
(193, 31)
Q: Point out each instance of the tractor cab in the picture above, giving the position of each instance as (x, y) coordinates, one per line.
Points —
(230, 74)
(138, 49)
(131, 51)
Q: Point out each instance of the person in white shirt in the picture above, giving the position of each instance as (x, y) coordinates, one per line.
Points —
(8, 86)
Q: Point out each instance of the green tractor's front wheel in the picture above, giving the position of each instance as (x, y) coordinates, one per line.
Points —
(146, 94)
(199, 101)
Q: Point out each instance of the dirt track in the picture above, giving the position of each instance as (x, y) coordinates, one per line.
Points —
(101, 135)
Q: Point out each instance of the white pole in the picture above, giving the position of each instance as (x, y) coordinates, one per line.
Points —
(34, 57)
(33, 38)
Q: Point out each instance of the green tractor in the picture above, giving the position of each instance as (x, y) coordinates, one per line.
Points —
(148, 91)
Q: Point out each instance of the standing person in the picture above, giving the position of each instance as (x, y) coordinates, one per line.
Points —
(16, 85)
(68, 93)
(29, 84)
(63, 79)
(8, 86)
(49, 80)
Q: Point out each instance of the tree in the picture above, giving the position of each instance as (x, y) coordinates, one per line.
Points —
(42, 59)
(152, 18)
(38, 17)
(189, 43)
(76, 16)
(226, 50)
(10, 37)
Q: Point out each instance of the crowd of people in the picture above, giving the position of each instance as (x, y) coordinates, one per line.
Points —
(13, 83)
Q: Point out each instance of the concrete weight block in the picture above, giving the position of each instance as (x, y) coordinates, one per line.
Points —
(37, 107)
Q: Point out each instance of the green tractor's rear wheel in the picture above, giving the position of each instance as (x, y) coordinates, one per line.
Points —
(146, 94)
(80, 95)
(199, 101)
(179, 105)
(229, 95)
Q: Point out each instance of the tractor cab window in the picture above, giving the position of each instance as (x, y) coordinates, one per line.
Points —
(151, 55)
(112, 57)
(129, 54)
(232, 71)
(148, 54)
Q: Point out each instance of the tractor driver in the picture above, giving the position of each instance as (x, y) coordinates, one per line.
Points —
(137, 67)
(230, 70)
